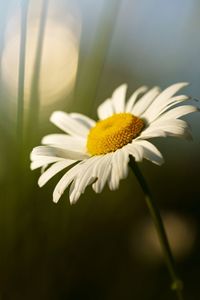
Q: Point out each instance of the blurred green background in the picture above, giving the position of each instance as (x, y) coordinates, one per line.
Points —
(71, 55)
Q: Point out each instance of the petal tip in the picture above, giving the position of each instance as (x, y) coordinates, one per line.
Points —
(40, 183)
(55, 115)
(55, 200)
(74, 199)
(56, 197)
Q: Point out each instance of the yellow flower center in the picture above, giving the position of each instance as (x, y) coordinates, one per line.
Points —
(113, 133)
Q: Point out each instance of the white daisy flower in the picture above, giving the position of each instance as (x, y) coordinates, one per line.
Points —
(98, 152)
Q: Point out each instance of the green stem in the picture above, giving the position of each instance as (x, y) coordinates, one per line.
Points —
(177, 284)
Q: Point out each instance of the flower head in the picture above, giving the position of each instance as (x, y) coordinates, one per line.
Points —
(99, 151)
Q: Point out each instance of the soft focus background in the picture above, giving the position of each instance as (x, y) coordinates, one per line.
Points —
(71, 55)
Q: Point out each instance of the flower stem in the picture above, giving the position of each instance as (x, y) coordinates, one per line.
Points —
(177, 284)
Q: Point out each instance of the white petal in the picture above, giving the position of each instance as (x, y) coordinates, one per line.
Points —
(178, 132)
(170, 103)
(53, 170)
(118, 98)
(134, 97)
(105, 110)
(65, 141)
(65, 181)
(43, 169)
(150, 152)
(68, 124)
(122, 163)
(161, 123)
(162, 100)
(84, 177)
(178, 112)
(102, 173)
(86, 121)
(170, 127)
(163, 107)
(113, 181)
(184, 133)
(171, 90)
(74, 195)
(135, 150)
(44, 161)
(148, 134)
(119, 168)
(143, 103)
(51, 151)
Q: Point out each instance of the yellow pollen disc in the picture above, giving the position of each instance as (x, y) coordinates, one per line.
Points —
(113, 133)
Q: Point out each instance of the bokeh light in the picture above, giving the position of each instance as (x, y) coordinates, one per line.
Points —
(59, 57)
(181, 231)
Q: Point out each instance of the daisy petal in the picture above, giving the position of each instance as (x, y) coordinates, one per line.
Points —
(148, 134)
(53, 170)
(102, 173)
(43, 161)
(86, 121)
(66, 141)
(178, 132)
(150, 152)
(169, 127)
(85, 177)
(68, 124)
(118, 98)
(119, 168)
(178, 112)
(170, 103)
(122, 160)
(184, 133)
(161, 123)
(162, 100)
(65, 181)
(170, 91)
(145, 101)
(134, 97)
(105, 110)
(113, 181)
(135, 150)
(51, 151)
